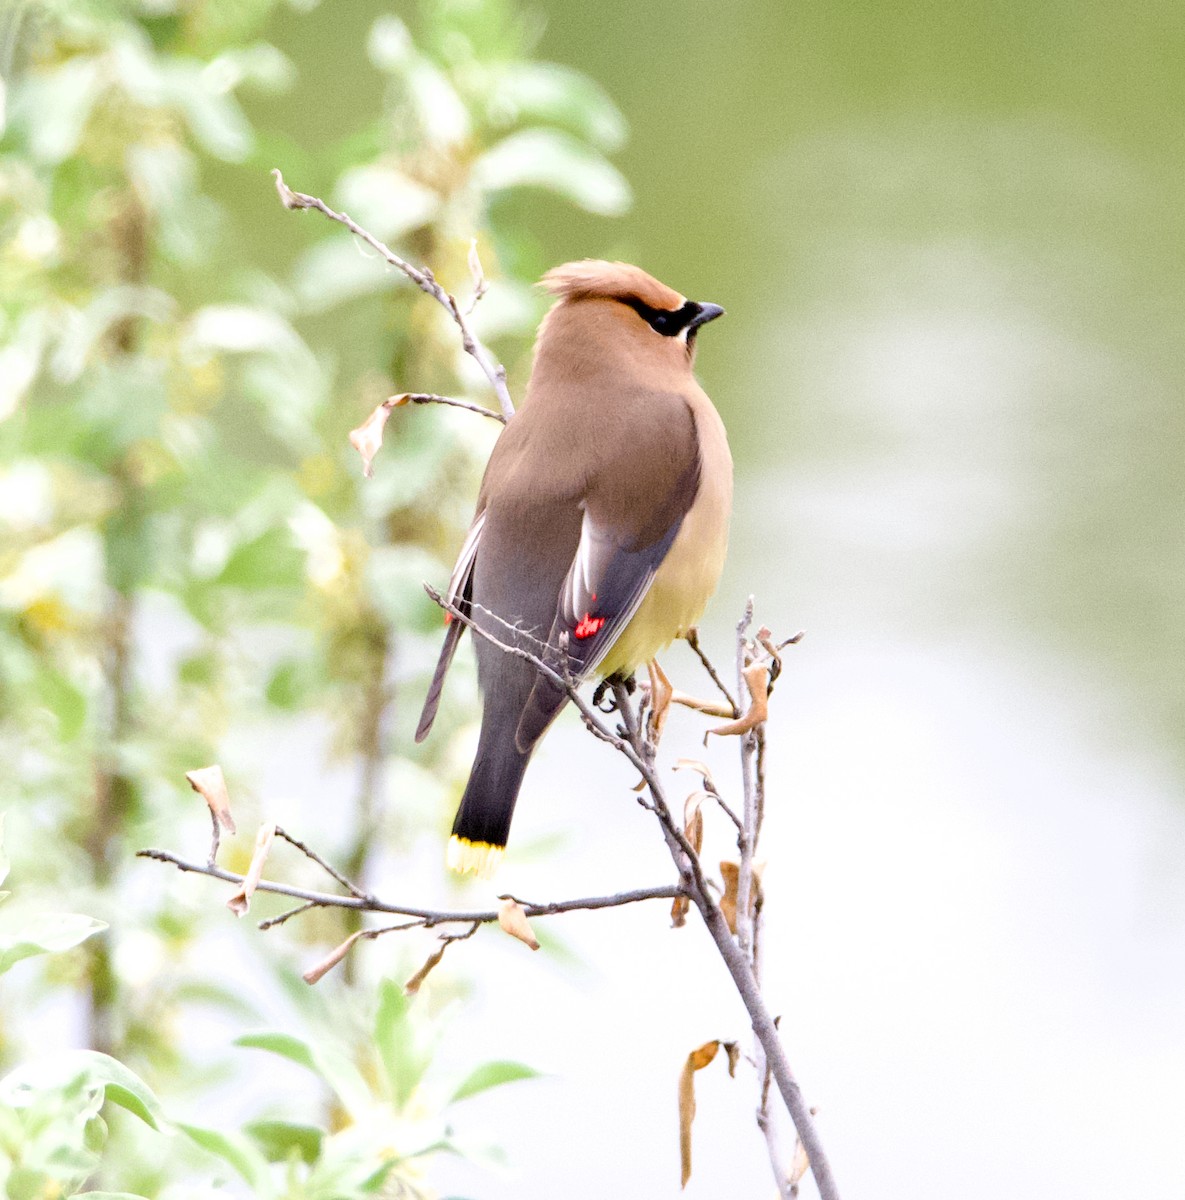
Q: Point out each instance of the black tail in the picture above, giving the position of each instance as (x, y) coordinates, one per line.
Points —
(482, 823)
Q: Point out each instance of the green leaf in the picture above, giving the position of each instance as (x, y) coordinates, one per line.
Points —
(333, 271)
(492, 1075)
(267, 561)
(85, 1069)
(394, 1038)
(283, 1044)
(562, 96)
(215, 118)
(27, 1183)
(546, 158)
(66, 701)
(291, 684)
(236, 1151)
(54, 107)
(338, 1073)
(278, 1139)
(387, 202)
(46, 933)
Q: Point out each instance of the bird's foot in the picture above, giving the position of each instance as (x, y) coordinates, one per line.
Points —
(603, 701)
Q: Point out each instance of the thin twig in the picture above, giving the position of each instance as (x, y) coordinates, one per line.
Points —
(423, 278)
(272, 922)
(727, 809)
(469, 406)
(747, 840)
(309, 853)
(215, 837)
(692, 639)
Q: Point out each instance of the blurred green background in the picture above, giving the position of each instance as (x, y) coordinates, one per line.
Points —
(949, 241)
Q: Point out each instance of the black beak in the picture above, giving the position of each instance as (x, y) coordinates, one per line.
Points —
(707, 312)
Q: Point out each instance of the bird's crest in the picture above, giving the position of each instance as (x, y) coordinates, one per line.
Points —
(594, 277)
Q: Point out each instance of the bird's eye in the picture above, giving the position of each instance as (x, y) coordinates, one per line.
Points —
(668, 322)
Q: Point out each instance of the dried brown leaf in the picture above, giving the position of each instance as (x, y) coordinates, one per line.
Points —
(210, 784)
(730, 872)
(694, 764)
(693, 830)
(693, 819)
(660, 700)
(513, 919)
(287, 196)
(757, 678)
(800, 1166)
(713, 708)
(313, 974)
(733, 1050)
(480, 286)
(367, 439)
(412, 986)
(241, 900)
(696, 1061)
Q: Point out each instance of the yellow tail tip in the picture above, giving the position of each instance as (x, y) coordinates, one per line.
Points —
(480, 858)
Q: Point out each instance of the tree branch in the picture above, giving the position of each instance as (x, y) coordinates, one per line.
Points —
(433, 398)
(423, 278)
(425, 918)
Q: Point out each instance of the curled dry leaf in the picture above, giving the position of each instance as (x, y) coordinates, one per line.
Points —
(480, 286)
(800, 1166)
(313, 974)
(733, 1050)
(412, 986)
(694, 764)
(696, 1061)
(287, 195)
(730, 872)
(757, 678)
(693, 819)
(693, 830)
(513, 919)
(660, 700)
(210, 784)
(367, 439)
(713, 708)
(241, 900)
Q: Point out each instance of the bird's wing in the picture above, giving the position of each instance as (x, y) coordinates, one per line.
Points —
(460, 587)
(606, 583)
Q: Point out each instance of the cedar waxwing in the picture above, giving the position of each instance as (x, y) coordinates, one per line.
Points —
(603, 515)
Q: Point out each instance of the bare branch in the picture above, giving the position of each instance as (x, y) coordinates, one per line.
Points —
(427, 917)
(432, 398)
(423, 278)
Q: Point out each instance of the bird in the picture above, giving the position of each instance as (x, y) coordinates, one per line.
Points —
(600, 529)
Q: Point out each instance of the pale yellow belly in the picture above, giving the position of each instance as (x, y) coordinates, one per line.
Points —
(688, 575)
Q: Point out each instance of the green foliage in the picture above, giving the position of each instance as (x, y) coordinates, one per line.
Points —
(187, 547)
(40, 933)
